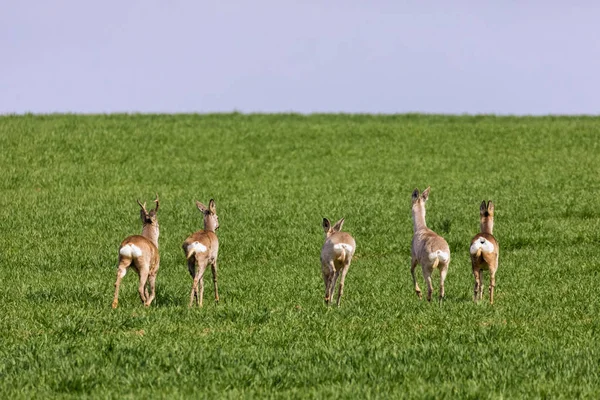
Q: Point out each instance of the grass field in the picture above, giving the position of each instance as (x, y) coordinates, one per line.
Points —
(69, 185)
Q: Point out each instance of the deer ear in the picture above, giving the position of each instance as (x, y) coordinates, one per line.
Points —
(425, 193)
(482, 208)
(201, 207)
(415, 195)
(326, 225)
(211, 206)
(338, 225)
(490, 208)
(157, 204)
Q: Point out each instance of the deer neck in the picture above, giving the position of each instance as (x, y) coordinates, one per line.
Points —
(209, 226)
(487, 225)
(150, 232)
(418, 213)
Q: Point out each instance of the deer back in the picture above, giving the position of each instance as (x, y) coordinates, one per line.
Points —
(425, 242)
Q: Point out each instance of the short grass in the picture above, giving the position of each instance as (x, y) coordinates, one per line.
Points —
(69, 185)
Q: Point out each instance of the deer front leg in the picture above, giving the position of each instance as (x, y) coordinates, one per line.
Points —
(214, 273)
(121, 271)
(414, 278)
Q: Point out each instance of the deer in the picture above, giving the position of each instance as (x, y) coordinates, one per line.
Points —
(202, 248)
(336, 256)
(141, 252)
(484, 251)
(428, 249)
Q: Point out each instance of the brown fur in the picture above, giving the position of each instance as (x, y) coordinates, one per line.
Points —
(198, 261)
(146, 265)
(482, 261)
(424, 243)
(335, 261)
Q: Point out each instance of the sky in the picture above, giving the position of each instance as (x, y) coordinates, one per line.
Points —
(453, 57)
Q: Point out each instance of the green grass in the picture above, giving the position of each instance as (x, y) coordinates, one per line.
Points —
(69, 185)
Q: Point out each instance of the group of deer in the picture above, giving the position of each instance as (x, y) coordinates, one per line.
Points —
(431, 250)
(141, 252)
(428, 249)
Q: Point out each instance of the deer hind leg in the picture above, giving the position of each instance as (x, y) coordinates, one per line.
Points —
(443, 273)
(152, 283)
(427, 276)
(328, 272)
(342, 279)
(333, 278)
(414, 278)
(326, 282)
(192, 268)
(492, 283)
(214, 273)
(146, 291)
(142, 285)
(198, 285)
(477, 276)
(121, 271)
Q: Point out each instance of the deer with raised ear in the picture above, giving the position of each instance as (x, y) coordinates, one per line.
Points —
(428, 248)
(202, 248)
(336, 256)
(141, 252)
(484, 251)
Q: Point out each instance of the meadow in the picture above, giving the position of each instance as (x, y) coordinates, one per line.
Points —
(69, 186)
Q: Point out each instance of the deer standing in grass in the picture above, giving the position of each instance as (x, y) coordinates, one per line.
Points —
(336, 256)
(141, 252)
(201, 248)
(484, 251)
(428, 248)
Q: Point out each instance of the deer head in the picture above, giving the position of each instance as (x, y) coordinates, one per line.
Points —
(486, 216)
(420, 199)
(211, 220)
(149, 217)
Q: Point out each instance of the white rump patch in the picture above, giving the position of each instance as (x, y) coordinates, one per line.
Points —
(482, 243)
(486, 246)
(343, 246)
(440, 255)
(197, 247)
(130, 250)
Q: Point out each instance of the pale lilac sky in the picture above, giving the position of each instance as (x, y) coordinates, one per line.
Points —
(503, 57)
